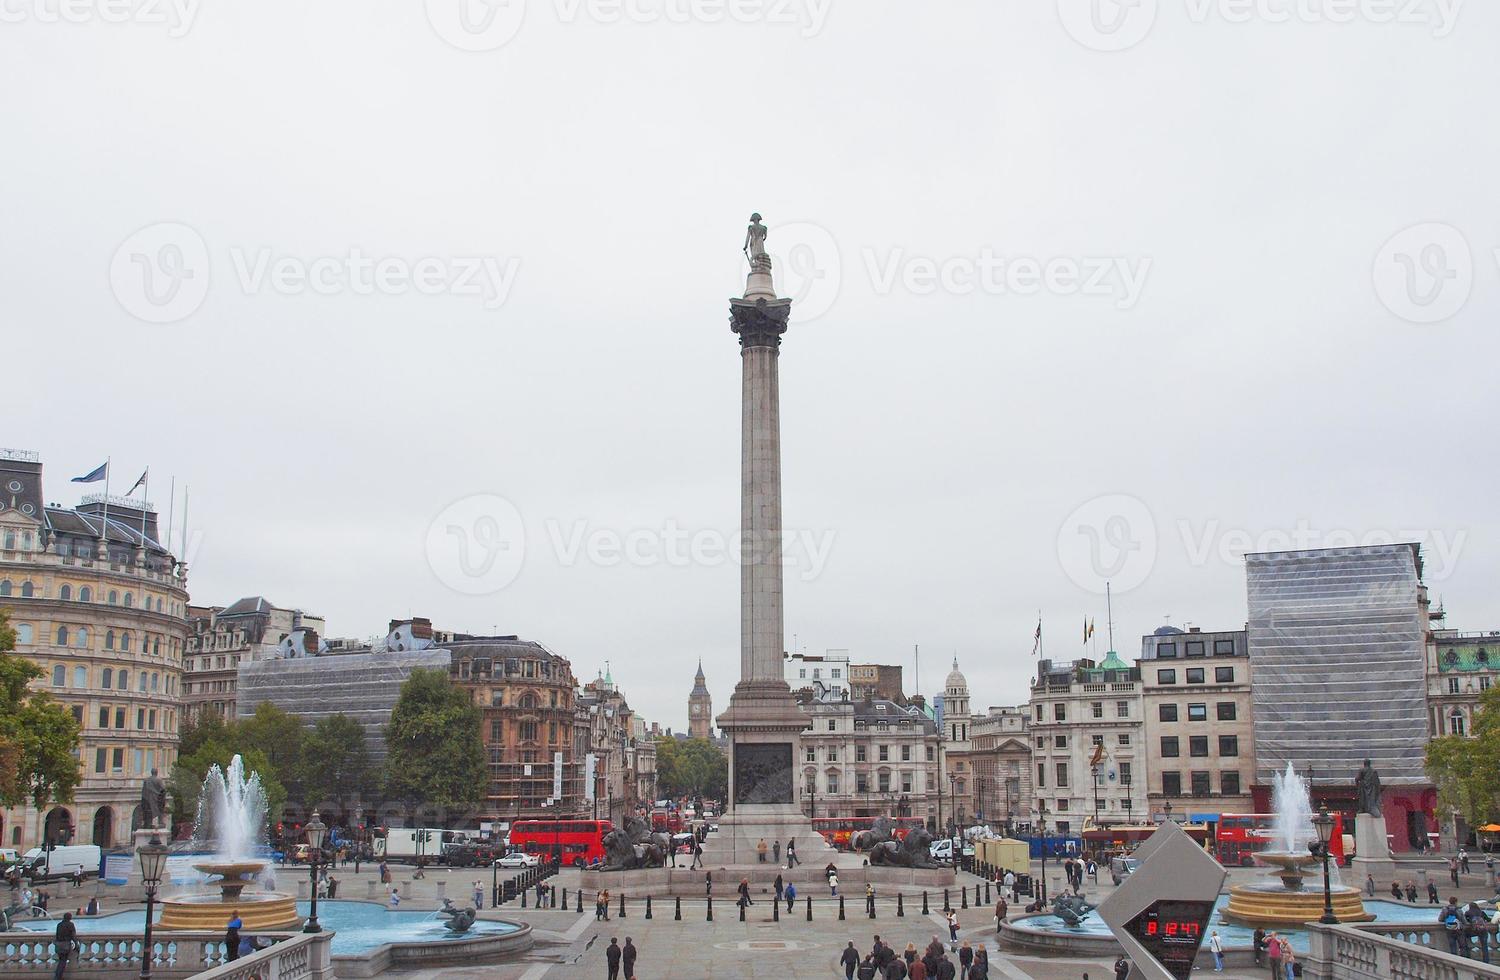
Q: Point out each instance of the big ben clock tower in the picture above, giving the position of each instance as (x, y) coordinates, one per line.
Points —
(700, 710)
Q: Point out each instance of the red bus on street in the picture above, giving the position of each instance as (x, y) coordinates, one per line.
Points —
(666, 821)
(840, 832)
(573, 842)
(1240, 835)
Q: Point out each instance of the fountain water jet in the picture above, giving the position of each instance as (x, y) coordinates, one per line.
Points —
(231, 821)
(1289, 902)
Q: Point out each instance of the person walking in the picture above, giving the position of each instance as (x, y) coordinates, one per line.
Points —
(1010, 885)
(1258, 945)
(1451, 918)
(1216, 946)
(1370, 885)
(849, 960)
(1453, 870)
(1122, 969)
(944, 969)
(1463, 860)
(776, 853)
(780, 887)
(982, 962)
(916, 970)
(791, 854)
(333, 887)
(1001, 911)
(965, 959)
(478, 895)
(1477, 926)
(394, 900)
(909, 954)
(895, 969)
(867, 967)
(952, 926)
(1432, 893)
(1289, 961)
(697, 855)
(232, 935)
(744, 891)
(612, 954)
(869, 900)
(627, 957)
(760, 850)
(1273, 954)
(1396, 890)
(63, 938)
(604, 901)
(1411, 891)
(833, 884)
(791, 896)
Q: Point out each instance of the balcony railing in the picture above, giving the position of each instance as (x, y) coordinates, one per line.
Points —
(292, 956)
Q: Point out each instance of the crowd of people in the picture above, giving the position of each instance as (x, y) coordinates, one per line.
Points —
(882, 962)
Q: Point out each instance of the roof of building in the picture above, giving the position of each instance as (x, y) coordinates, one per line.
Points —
(247, 606)
(955, 676)
(1166, 631)
(1460, 654)
(879, 709)
(699, 684)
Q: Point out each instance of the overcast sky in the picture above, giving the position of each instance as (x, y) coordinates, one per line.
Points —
(1062, 312)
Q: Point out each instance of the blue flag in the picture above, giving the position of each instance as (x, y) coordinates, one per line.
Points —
(95, 476)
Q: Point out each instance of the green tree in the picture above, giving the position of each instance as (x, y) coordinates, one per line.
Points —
(279, 736)
(435, 755)
(692, 767)
(1466, 771)
(336, 763)
(37, 735)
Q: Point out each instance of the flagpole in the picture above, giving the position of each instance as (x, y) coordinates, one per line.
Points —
(1109, 614)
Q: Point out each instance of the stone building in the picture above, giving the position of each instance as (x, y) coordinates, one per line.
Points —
(1200, 736)
(1000, 759)
(868, 758)
(607, 728)
(1086, 743)
(221, 636)
(1460, 668)
(826, 675)
(101, 606)
(957, 750)
(875, 681)
(700, 708)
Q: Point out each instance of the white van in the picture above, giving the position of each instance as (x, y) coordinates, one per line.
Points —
(64, 860)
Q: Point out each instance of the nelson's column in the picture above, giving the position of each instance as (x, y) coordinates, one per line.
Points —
(763, 721)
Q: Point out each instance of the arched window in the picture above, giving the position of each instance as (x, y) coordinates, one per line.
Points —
(82, 639)
(158, 603)
(114, 597)
(62, 636)
(1456, 723)
(85, 594)
(26, 590)
(129, 600)
(109, 676)
(143, 681)
(65, 593)
(155, 681)
(5, 586)
(59, 675)
(80, 677)
(10, 540)
(156, 647)
(122, 681)
(125, 642)
(23, 632)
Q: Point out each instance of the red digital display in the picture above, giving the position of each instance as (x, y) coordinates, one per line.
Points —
(1171, 931)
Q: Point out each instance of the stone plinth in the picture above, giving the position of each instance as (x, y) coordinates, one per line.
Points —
(1372, 852)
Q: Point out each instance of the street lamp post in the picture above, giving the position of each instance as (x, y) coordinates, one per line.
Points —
(1324, 823)
(315, 832)
(1041, 822)
(1167, 806)
(1096, 794)
(153, 858)
(953, 816)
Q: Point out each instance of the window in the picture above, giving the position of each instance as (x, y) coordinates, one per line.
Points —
(129, 600)
(836, 673)
(861, 783)
(1200, 784)
(1122, 709)
(1041, 775)
(1097, 709)
(812, 755)
(143, 682)
(931, 754)
(117, 760)
(1453, 685)
(1168, 676)
(5, 586)
(1171, 783)
(109, 639)
(1166, 712)
(833, 782)
(122, 680)
(1062, 741)
(114, 597)
(140, 760)
(1456, 724)
(1225, 710)
(1169, 747)
(1059, 712)
(1062, 775)
(1198, 746)
(1166, 651)
(883, 782)
(120, 718)
(1099, 802)
(906, 753)
(1195, 675)
(99, 757)
(1195, 648)
(82, 639)
(1124, 738)
(62, 636)
(833, 753)
(1197, 712)
(1125, 778)
(885, 753)
(1484, 682)
(830, 724)
(1097, 739)
(1229, 745)
(140, 719)
(1223, 675)
(26, 590)
(859, 754)
(1229, 783)
(80, 677)
(23, 635)
(59, 675)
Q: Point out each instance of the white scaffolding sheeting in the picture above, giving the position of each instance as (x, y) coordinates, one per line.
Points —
(1336, 647)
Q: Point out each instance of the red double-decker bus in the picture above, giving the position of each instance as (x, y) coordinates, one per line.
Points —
(572, 842)
(666, 821)
(840, 832)
(1239, 836)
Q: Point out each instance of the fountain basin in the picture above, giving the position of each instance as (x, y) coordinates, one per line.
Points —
(257, 910)
(1263, 905)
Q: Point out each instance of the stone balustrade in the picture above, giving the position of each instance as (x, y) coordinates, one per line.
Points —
(1393, 951)
(175, 955)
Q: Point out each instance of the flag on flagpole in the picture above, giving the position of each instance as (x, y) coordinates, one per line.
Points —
(138, 483)
(1036, 639)
(95, 475)
(1088, 629)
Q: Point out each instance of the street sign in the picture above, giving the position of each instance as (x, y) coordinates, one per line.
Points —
(1162, 912)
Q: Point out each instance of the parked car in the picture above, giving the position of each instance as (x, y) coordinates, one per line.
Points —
(518, 859)
(1121, 868)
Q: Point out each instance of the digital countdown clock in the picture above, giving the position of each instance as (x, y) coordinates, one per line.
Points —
(1171, 930)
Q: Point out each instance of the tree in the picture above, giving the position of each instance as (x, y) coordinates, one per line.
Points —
(37, 735)
(435, 753)
(279, 736)
(336, 763)
(692, 767)
(1467, 770)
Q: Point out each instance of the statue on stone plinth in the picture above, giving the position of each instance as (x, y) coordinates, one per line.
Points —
(883, 848)
(755, 243)
(1367, 788)
(153, 802)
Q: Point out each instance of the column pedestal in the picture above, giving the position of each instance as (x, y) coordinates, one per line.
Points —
(1372, 852)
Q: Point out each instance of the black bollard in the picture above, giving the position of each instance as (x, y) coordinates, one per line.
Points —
(742, 911)
(523, 897)
(987, 893)
(622, 905)
(964, 900)
(677, 910)
(870, 907)
(900, 908)
(710, 908)
(841, 908)
(565, 896)
(776, 911)
(924, 904)
(648, 906)
(809, 908)
(946, 905)
(580, 900)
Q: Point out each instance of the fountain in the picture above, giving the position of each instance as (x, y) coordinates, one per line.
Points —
(1285, 897)
(232, 822)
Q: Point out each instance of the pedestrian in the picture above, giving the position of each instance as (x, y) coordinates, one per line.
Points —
(776, 853)
(1370, 885)
(1432, 893)
(869, 900)
(909, 954)
(232, 935)
(385, 873)
(333, 887)
(1010, 885)
(395, 898)
(1463, 860)
(1122, 968)
(1216, 946)
(791, 896)
(881, 952)
(1273, 954)
(1258, 945)
(760, 850)
(952, 926)
(791, 854)
(478, 895)
(1477, 926)
(62, 943)
(982, 962)
(895, 969)
(1001, 911)
(1453, 870)
(1411, 891)
(744, 891)
(944, 970)
(916, 970)
(612, 954)
(867, 967)
(628, 958)
(697, 855)
(1396, 890)
(1289, 961)
(780, 889)
(93, 907)
(965, 958)
(849, 960)
(833, 884)
(1452, 920)
(604, 903)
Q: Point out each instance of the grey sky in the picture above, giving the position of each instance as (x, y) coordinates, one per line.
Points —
(1216, 329)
